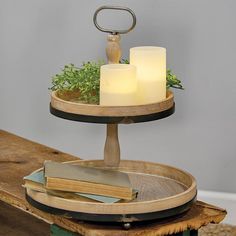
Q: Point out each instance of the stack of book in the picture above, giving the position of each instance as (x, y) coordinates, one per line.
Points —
(81, 183)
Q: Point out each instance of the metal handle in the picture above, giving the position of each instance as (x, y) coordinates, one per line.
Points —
(112, 31)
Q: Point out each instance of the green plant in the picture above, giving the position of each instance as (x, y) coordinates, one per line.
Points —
(172, 81)
(86, 80)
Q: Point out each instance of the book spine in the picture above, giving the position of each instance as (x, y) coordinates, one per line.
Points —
(90, 188)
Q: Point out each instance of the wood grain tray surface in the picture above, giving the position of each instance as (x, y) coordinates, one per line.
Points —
(160, 188)
(63, 105)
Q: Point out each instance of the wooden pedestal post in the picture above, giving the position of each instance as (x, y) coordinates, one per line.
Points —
(112, 147)
(113, 50)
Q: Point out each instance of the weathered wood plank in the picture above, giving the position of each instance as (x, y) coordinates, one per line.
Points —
(14, 222)
(19, 157)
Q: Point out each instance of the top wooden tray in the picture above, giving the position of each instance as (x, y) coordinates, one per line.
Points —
(65, 107)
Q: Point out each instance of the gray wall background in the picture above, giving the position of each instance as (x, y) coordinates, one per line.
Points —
(38, 37)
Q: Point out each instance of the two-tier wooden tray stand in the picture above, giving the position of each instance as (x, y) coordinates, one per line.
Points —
(164, 191)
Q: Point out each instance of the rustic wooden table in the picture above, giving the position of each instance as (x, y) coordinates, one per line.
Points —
(19, 157)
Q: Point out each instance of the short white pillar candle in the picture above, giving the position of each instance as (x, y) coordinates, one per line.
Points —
(118, 85)
(151, 73)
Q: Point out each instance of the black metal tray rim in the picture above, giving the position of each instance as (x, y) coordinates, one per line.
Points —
(113, 217)
(112, 119)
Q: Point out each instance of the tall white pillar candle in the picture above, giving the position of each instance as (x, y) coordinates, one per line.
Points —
(118, 85)
(151, 73)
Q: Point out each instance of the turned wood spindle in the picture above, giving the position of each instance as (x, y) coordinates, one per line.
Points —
(113, 50)
(112, 146)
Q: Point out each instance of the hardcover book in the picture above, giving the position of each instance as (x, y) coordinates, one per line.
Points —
(75, 178)
(35, 181)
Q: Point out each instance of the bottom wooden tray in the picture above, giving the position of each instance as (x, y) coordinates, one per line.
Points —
(164, 191)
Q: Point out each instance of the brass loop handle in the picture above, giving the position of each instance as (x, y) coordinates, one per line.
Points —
(113, 31)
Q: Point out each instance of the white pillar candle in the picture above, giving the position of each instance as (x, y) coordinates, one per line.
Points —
(118, 85)
(151, 73)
